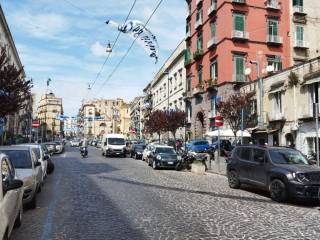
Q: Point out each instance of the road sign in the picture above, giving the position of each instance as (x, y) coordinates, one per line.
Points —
(35, 124)
(218, 121)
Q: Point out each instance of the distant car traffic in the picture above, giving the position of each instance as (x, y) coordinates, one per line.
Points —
(28, 169)
(75, 142)
(137, 151)
(284, 172)
(11, 194)
(198, 146)
(113, 145)
(163, 157)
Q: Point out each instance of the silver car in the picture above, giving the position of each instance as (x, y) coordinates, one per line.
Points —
(11, 194)
(41, 156)
(28, 169)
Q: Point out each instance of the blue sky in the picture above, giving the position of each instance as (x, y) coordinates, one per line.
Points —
(65, 40)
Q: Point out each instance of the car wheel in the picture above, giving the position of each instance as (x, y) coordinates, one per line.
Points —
(154, 165)
(102, 153)
(5, 236)
(233, 179)
(278, 190)
(33, 203)
(18, 221)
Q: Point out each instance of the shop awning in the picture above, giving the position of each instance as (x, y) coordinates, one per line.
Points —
(268, 131)
(277, 87)
(227, 133)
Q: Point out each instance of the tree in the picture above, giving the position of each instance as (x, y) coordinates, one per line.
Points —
(230, 110)
(14, 89)
(174, 120)
(156, 122)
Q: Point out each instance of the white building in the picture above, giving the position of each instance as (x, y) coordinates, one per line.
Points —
(168, 86)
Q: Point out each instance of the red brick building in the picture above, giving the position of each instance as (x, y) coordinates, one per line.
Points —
(222, 37)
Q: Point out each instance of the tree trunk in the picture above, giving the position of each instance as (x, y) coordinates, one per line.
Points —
(159, 134)
(174, 138)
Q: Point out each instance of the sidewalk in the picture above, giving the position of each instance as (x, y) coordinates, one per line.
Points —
(217, 166)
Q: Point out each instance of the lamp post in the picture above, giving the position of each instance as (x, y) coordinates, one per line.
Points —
(261, 122)
(167, 73)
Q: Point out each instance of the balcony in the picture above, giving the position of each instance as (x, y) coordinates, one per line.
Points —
(187, 95)
(300, 44)
(198, 2)
(197, 55)
(239, 1)
(240, 35)
(273, 5)
(212, 42)
(274, 40)
(197, 90)
(198, 23)
(212, 8)
(239, 77)
(298, 10)
(276, 117)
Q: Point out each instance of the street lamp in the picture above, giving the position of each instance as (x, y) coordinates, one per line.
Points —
(261, 122)
(109, 47)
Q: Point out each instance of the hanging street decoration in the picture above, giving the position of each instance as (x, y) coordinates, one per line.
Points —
(136, 30)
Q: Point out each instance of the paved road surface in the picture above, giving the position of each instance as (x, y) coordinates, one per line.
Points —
(109, 198)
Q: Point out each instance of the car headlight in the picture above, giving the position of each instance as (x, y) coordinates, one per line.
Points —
(138, 152)
(179, 158)
(158, 157)
(300, 177)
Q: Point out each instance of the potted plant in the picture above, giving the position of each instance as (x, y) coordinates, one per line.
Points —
(197, 54)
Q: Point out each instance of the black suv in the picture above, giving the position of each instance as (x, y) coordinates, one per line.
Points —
(283, 171)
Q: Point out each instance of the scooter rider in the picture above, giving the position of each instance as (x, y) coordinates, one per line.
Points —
(84, 146)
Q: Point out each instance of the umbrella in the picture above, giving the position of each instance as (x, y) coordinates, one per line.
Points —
(227, 133)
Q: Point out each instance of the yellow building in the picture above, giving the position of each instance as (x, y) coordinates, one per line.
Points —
(49, 110)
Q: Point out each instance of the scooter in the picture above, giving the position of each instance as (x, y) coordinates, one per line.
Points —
(84, 152)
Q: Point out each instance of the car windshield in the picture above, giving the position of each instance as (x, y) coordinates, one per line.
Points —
(201, 143)
(19, 158)
(287, 156)
(165, 150)
(139, 147)
(116, 141)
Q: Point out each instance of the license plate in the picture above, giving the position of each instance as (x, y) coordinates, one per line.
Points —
(170, 162)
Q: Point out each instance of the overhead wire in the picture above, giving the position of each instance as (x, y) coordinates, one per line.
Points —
(91, 85)
(129, 49)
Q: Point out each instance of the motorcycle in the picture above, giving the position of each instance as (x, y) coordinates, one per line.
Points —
(84, 152)
(184, 162)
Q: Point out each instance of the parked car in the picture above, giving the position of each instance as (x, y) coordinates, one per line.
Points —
(41, 156)
(137, 151)
(284, 172)
(163, 157)
(98, 144)
(11, 194)
(198, 146)
(28, 169)
(59, 147)
(51, 147)
(146, 152)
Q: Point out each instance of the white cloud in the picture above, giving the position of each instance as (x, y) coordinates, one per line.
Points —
(98, 50)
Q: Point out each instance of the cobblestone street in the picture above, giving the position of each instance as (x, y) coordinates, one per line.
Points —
(109, 198)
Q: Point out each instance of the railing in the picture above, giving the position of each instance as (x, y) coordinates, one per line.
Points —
(298, 9)
(239, 1)
(240, 34)
(300, 44)
(274, 39)
(274, 116)
(212, 42)
(212, 8)
(274, 4)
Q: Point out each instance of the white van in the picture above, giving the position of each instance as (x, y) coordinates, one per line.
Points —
(113, 145)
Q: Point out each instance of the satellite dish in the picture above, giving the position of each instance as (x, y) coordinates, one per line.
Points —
(247, 71)
(270, 68)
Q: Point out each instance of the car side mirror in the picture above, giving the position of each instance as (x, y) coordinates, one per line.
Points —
(105, 144)
(46, 157)
(312, 162)
(14, 184)
(38, 164)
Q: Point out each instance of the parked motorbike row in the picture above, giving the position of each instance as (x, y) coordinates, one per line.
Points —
(24, 169)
